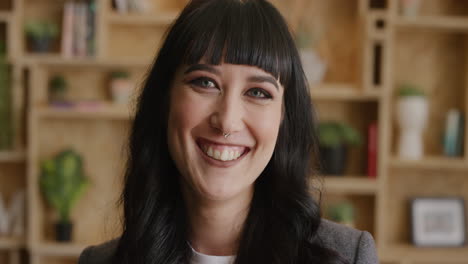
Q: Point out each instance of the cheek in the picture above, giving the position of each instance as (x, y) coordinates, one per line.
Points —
(266, 126)
(185, 114)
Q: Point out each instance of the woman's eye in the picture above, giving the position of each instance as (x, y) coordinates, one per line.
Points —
(204, 82)
(259, 93)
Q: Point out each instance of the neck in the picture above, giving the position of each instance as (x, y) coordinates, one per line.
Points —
(216, 226)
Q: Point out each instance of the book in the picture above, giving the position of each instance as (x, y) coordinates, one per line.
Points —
(91, 28)
(372, 150)
(453, 135)
(67, 29)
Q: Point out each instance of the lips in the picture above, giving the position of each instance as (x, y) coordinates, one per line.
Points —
(221, 152)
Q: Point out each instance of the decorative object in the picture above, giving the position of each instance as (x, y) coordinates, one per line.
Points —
(334, 139)
(412, 115)
(41, 34)
(438, 221)
(410, 8)
(57, 89)
(454, 134)
(314, 66)
(6, 127)
(342, 213)
(121, 87)
(62, 182)
(137, 6)
(12, 217)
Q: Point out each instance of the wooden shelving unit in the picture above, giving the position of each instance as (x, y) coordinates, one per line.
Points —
(368, 50)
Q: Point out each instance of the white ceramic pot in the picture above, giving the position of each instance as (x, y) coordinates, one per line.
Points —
(410, 8)
(121, 90)
(412, 115)
(314, 67)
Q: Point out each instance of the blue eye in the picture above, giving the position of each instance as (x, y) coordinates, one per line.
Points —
(259, 93)
(204, 82)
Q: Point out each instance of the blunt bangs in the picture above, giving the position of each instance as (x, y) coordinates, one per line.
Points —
(249, 32)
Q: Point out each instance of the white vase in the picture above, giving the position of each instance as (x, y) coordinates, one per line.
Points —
(314, 67)
(412, 115)
(410, 8)
(121, 90)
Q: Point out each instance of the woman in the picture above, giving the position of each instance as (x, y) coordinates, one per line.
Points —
(220, 151)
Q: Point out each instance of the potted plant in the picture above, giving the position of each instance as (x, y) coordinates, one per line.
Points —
(62, 182)
(41, 34)
(57, 89)
(121, 87)
(412, 114)
(314, 66)
(342, 213)
(334, 139)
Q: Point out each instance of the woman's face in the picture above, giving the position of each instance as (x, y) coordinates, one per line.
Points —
(207, 100)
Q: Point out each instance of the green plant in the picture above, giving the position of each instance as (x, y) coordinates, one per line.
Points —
(120, 75)
(62, 182)
(58, 84)
(342, 212)
(408, 89)
(333, 134)
(41, 29)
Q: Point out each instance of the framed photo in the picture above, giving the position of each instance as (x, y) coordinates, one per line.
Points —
(438, 221)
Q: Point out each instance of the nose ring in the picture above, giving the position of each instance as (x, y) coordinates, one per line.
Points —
(226, 135)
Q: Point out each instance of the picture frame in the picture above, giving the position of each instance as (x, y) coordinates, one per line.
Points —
(438, 221)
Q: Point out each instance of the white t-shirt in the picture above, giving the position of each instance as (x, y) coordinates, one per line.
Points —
(199, 258)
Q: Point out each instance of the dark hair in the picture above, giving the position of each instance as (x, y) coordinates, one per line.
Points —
(281, 226)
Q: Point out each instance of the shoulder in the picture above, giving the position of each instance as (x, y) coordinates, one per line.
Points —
(99, 254)
(354, 245)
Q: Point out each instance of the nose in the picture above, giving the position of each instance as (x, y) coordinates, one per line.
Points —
(228, 115)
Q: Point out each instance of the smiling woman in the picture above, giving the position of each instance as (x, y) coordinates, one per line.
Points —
(221, 150)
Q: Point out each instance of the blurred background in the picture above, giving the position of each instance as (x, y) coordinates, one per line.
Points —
(387, 77)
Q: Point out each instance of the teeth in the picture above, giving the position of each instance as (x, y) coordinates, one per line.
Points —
(225, 155)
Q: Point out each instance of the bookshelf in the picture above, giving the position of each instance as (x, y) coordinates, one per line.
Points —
(369, 46)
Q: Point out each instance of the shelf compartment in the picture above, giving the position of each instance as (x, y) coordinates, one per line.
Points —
(105, 111)
(439, 163)
(411, 253)
(14, 156)
(433, 22)
(342, 92)
(350, 185)
(161, 19)
(11, 243)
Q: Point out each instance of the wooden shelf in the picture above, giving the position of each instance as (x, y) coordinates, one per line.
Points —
(433, 22)
(58, 60)
(15, 156)
(11, 243)
(342, 92)
(104, 111)
(161, 19)
(55, 249)
(5, 17)
(350, 185)
(424, 255)
(430, 163)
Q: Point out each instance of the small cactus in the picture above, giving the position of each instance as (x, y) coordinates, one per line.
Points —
(62, 182)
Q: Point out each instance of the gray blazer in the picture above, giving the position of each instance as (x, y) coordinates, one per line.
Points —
(357, 247)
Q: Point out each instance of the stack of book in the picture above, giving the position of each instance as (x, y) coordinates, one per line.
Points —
(453, 136)
(79, 28)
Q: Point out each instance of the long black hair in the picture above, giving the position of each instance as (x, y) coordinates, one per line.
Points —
(281, 226)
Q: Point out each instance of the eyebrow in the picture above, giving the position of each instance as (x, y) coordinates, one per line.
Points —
(202, 67)
(261, 79)
(256, 78)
